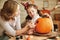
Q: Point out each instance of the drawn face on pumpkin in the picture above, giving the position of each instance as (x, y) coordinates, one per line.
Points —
(32, 11)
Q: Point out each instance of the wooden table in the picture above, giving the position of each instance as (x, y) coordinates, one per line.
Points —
(39, 37)
(42, 37)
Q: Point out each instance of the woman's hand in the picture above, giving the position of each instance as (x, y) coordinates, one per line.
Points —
(31, 25)
(23, 30)
(31, 31)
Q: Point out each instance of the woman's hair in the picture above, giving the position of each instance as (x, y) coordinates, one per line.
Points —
(9, 8)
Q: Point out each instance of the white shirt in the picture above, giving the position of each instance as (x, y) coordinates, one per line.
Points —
(10, 27)
(35, 18)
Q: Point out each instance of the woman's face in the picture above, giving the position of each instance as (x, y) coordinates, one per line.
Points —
(32, 11)
(17, 12)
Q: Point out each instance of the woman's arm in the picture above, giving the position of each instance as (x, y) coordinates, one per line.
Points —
(23, 30)
(10, 30)
(7, 27)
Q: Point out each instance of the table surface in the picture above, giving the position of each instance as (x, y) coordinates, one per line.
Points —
(48, 36)
(42, 37)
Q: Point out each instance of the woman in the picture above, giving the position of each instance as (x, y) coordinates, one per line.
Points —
(10, 19)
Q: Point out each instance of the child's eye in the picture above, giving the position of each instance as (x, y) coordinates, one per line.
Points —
(29, 12)
(32, 11)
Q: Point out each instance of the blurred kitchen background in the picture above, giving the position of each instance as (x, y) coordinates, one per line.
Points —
(50, 4)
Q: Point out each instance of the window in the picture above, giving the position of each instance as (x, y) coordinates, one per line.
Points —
(45, 4)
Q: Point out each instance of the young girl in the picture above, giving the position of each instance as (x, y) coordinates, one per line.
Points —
(10, 19)
(33, 15)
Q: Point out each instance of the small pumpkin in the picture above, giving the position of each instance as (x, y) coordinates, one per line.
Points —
(43, 25)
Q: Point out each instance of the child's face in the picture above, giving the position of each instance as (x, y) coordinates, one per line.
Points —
(32, 11)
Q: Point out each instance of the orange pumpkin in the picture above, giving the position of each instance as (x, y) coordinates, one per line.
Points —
(43, 25)
(28, 38)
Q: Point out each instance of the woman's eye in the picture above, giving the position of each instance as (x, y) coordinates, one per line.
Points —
(29, 12)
